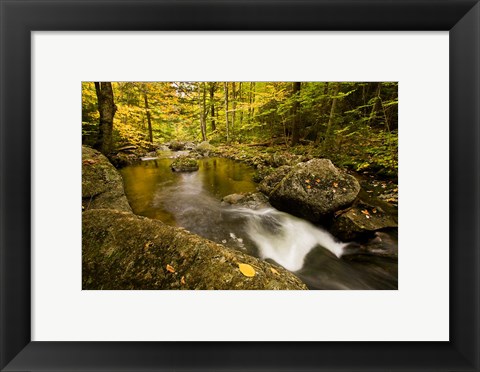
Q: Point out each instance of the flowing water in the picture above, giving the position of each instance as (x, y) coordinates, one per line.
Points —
(193, 201)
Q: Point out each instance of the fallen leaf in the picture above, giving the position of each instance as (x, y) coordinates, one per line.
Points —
(274, 271)
(307, 181)
(317, 180)
(365, 212)
(170, 269)
(367, 216)
(182, 280)
(335, 184)
(246, 270)
(309, 187)
(374, 210)
(334, 191)
(345, 189)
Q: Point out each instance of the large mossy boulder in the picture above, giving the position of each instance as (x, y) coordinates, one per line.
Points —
(177, 145)
(102, 185)
(184, 164)
(123, 251)
(313, 190)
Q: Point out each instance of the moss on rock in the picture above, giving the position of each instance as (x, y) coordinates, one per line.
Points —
(312, 190)
(185, 164)
(102, 185)
(125, 251)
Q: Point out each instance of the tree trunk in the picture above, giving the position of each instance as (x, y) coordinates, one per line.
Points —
(225, 85)
(149, 120)
(373, 114)
(107, 109)
(234, 106)
(240, 98)
(212, 105)
(323, 110)
(330, 124)
(296, 120)
(202, 93)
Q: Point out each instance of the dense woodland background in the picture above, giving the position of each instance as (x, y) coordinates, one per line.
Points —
(355, 124)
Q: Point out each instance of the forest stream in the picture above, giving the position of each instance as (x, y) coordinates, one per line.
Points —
(193, 201)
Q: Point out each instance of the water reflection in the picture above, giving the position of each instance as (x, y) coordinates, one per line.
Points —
(154, 191)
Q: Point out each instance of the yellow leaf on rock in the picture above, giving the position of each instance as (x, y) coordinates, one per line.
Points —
(246, 270)
(170, 269)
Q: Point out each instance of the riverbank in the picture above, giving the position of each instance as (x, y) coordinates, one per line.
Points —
(267, 158)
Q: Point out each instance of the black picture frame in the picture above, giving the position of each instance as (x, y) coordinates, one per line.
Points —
(19, 17)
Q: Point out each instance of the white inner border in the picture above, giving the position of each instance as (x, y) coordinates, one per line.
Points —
(417, 311)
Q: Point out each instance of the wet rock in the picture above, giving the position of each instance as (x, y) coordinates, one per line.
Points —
(177, 145)
(189, 146)
(361, 220)
(249, 200)
(184, 164)
(261, 173)
(312, 190)
(204, 148)
(163, 148)
(122, 159)
(123, 251)
(102, 185)
(382, 244)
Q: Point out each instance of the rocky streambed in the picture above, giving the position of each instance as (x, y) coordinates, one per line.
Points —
(121, 250)
(217, 200)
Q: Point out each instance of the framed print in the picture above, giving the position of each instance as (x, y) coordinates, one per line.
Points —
(60, 322)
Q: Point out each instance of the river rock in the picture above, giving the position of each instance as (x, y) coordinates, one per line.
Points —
(177, 145)
(312, 190)
(102, 185)
(163, 148)
(361, 220)
(189, 146)
(251, 200)
(123, 251)
(184, 164)
(204, 148)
